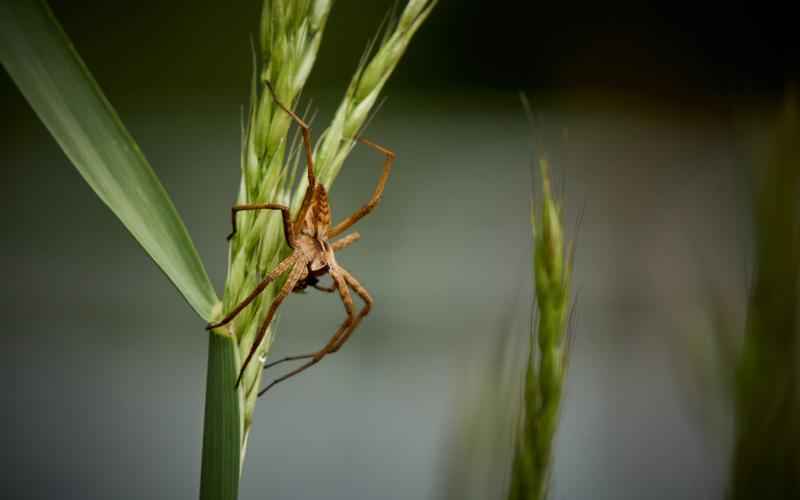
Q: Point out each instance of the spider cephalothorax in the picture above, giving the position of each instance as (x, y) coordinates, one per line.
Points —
(311, 238)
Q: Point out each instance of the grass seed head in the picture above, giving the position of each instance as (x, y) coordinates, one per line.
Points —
(290, 36)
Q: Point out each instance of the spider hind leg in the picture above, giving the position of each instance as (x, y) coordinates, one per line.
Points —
(344, 292)
(342, 279)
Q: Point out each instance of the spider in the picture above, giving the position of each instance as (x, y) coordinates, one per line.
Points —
(309, 236)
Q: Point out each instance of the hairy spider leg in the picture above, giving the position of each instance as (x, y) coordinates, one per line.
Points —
(335, 246)
(288, 229)
(304, 129)
(298, 272)
(376, 195)
(341, 336)
(345, 242)
(306, 133)
(281, 268)
(368, 302)
(347, 300)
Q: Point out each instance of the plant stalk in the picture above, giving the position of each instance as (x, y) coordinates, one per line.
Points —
(223, 422)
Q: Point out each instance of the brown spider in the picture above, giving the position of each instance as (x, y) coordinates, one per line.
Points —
(312, 256)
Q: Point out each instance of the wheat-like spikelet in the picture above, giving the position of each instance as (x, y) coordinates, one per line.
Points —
(291, 32)
(363, 92)
(543, 380)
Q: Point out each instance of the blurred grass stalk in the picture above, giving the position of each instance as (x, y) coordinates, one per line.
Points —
(766, 462)
(544, 380)
(291, 32)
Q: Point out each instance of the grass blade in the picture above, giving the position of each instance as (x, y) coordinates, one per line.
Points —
(45, 66)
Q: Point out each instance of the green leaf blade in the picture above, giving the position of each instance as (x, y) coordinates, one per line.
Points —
(41, 60)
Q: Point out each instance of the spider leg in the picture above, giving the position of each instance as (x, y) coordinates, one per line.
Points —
(297, 272)
(347, 300)
(288, 230)
(306, 131)
(376, 195)
(281, 268)
(288, 358)
(345, 242)
(365, 296)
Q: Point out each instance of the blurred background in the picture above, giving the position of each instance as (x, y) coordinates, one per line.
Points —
(651, 118)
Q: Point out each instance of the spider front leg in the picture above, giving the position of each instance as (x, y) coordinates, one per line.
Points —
(305, 130)
(281, 268)
(306, 133)
(288, 230)
(376, 195)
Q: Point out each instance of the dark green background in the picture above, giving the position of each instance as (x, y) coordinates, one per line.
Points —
(648, 115)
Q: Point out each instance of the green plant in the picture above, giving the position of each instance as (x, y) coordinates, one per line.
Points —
(766, 461)
(45, 66)
(477, 457)
(544, 380)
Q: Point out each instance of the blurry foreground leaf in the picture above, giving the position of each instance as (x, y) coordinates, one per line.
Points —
(766, 463)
